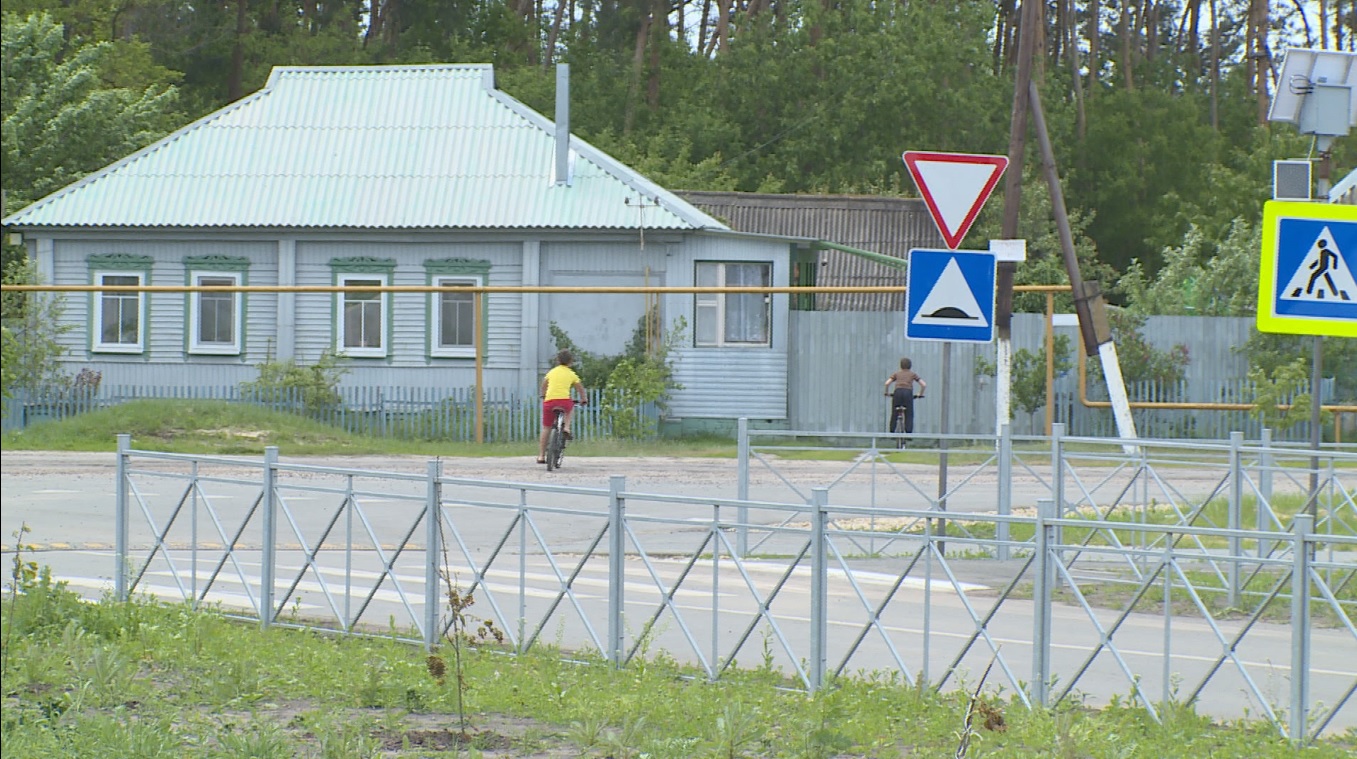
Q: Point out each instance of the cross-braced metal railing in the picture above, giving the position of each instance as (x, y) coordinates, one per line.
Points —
(1082, 607)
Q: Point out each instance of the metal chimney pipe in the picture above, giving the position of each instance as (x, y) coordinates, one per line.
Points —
(562, 124)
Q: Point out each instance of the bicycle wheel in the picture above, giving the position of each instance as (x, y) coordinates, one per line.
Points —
(555, 448)
(898, 427)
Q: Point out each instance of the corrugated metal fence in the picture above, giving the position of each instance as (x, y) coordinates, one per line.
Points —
(839, 360)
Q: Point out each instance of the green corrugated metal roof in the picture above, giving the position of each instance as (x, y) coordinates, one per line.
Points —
(396, 147)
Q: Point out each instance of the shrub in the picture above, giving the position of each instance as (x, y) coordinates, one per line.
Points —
(1281, 387)
(640, 381)
(1028, 373)
(31, 343)
(315, 387)
(632, 381)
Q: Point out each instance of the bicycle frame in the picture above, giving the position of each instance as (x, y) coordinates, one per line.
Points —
(556, 439)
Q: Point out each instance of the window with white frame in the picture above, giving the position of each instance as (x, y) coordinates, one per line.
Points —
(455, 322)
(362, 318)
(733, 318)
(452, 316)
(118, 318)
(216, 319)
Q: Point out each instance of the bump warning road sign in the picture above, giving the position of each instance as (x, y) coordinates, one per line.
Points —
(950, 295)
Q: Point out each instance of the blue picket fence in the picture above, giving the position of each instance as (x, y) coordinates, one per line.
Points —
(395, 412)
(509, 415)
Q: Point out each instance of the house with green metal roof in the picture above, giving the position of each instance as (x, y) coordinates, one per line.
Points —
(401, 175)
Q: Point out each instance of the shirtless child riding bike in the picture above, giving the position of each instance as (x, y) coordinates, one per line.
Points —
(902, 399)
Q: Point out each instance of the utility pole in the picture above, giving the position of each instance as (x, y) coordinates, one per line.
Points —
(652, 300)
(1088, 301)
(1017, 143)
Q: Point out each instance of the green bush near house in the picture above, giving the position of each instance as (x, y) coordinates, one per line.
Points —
(314, 387)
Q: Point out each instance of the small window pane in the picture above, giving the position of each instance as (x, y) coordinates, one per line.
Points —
(746, 318)
(708, 275)
(705, 331)
(363, 315)
(457, 322)
(120, 315)
(216, 313)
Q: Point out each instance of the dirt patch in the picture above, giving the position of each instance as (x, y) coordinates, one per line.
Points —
(397, 734)
(443, 740)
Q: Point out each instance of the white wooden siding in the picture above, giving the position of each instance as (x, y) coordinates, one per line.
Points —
(727, 383)
(720, 382)
(409, 312)
(167, 317)
(601, 323)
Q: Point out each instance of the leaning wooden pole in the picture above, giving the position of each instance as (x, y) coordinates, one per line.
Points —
(1088, 297)
(1017, 145)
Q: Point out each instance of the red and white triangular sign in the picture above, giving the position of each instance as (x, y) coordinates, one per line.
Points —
(955, 186)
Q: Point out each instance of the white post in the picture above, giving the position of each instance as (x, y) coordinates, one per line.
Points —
(1116, 391)
(1014, 251)
(1003, 385)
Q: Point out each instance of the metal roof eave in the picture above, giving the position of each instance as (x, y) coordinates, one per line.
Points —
(690, 216)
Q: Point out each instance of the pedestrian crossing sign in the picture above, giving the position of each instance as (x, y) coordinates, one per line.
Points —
(1306, 284)
(950, 295)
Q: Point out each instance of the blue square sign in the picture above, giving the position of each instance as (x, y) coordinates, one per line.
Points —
(950, 295)
(1306, 283)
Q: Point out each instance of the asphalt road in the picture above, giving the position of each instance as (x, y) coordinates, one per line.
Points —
(550, 583)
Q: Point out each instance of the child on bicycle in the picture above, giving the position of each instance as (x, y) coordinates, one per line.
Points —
(556, 386)
(902, 400)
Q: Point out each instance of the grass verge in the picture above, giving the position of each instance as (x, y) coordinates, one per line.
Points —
(144, 680)
(219, 427)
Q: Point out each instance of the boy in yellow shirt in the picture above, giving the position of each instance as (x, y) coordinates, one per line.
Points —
(555, 391)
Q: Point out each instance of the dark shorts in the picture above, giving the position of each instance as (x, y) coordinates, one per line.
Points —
(549, 409)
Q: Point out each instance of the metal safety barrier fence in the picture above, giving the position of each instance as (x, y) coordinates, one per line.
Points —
(1081, 608)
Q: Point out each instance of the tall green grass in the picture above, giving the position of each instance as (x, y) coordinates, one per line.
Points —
(142, 680)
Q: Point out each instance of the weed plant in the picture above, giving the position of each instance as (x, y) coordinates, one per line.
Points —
(142, 679)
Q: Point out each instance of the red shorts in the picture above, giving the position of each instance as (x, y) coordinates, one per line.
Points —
(549, 408)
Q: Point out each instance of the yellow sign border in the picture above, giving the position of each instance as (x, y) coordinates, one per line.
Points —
(1268, 320)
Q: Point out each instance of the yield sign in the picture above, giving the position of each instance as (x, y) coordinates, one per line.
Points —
(955, 186)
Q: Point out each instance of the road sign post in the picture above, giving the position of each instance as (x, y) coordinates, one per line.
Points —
(955, 187)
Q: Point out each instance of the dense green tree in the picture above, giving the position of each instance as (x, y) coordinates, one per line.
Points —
(1155, 111)
(30, 339)
(1202, 277)
(1120, 170)
(1220, 278)
(61, 117)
